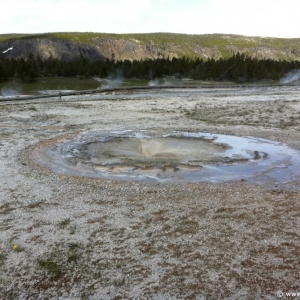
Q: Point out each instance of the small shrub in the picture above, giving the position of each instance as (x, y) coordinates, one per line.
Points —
(62, 224)
(50, 266)
(72, 229)
(33, 108)
(2, 259)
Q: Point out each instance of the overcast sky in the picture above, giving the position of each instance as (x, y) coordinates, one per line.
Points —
(269, 18)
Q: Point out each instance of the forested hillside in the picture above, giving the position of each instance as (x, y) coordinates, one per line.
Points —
(238, 68)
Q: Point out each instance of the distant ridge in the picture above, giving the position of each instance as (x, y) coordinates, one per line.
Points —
(93, 46)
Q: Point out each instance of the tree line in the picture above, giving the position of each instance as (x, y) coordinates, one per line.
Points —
(237, 68)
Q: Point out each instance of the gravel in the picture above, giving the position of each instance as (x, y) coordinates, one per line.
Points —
(65, 237)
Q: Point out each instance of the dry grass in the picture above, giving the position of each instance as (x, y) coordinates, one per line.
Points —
(268, 114)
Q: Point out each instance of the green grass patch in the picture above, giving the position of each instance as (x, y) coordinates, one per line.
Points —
(62, 258)
(50, 84)
(5, 134)
(50, 266)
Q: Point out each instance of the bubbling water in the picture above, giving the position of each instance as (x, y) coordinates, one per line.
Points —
(172, 157)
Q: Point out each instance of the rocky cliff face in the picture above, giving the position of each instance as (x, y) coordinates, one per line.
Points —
(127, 47)
(46, 47)
(101, 48)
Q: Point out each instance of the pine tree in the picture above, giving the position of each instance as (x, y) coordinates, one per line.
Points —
(3, 75)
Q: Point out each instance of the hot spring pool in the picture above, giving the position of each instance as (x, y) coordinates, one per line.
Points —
(171, 157)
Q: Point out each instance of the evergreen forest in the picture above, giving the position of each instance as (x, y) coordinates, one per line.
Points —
(237, 68)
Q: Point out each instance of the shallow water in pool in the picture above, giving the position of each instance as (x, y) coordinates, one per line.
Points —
(172, 157)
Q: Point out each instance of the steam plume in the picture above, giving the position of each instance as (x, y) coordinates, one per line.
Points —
(10, 91)
(114, 80)
(291, 77)
(160, 82)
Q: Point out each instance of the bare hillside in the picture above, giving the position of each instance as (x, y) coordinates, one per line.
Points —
(68, 46)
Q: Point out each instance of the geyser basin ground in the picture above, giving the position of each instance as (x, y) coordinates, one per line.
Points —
(133, 239)
(172, 157)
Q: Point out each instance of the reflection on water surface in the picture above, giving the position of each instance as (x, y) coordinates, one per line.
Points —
(173, 157)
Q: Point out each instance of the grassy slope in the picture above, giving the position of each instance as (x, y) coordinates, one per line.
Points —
(221, 41)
